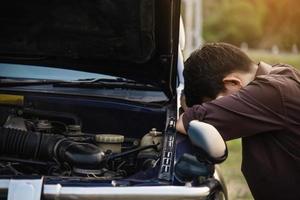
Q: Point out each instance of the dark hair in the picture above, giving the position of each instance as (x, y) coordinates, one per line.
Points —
(205, 69)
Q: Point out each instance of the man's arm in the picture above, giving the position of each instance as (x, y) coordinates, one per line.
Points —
(179, 125)
(255, 109)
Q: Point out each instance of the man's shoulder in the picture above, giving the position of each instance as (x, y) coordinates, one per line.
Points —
(285, 70)
(280, 75)
(274, 89)
(282, 65)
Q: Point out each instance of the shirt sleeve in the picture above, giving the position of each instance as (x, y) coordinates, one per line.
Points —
(257, 108)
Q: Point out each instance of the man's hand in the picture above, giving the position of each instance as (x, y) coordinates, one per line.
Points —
(179, 125)
(183, 102)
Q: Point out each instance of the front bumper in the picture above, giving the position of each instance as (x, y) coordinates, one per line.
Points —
(124, 193)
(57, 191)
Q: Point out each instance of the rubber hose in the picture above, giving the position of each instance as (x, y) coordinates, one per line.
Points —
(38, 146)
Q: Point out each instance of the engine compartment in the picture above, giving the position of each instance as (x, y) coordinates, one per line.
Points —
(35, 141)
(44, 147)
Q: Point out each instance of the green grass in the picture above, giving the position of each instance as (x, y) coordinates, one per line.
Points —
(231, 168)
(287, 58)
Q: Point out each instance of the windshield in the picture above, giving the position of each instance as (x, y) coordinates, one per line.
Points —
(37, 72)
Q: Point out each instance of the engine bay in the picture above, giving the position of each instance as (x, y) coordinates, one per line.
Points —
(34, 144)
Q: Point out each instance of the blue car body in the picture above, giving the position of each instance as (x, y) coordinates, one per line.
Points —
(140, 100)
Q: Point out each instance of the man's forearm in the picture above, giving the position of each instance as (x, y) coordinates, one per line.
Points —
(179, 125)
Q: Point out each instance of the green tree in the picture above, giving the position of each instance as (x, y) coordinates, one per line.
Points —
(260, 23)
(282, 25)
(234, 21)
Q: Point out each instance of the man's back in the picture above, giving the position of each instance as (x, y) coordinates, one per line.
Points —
(266, 114)
(271, 160)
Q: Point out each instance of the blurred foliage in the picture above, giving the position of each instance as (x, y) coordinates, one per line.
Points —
(236, 184)
(287, 58)
(260, 23)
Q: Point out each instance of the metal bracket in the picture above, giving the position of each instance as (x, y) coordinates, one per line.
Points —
(168, 152)
(25, 189)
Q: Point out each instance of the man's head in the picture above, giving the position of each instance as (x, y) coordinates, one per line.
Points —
(217, 69)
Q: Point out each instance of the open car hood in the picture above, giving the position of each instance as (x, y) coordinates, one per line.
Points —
(134, 39)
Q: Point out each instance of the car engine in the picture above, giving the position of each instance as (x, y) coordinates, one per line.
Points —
(34, 145)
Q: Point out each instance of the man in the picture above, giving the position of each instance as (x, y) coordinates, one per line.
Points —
(256, 102)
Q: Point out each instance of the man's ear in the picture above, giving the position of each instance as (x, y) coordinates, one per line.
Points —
(232, 84)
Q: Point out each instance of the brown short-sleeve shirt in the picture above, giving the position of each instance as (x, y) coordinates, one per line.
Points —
(266, 115)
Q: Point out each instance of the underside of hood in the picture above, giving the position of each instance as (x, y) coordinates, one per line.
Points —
(135, 39)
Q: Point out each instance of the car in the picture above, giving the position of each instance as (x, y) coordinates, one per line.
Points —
(89, 98)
